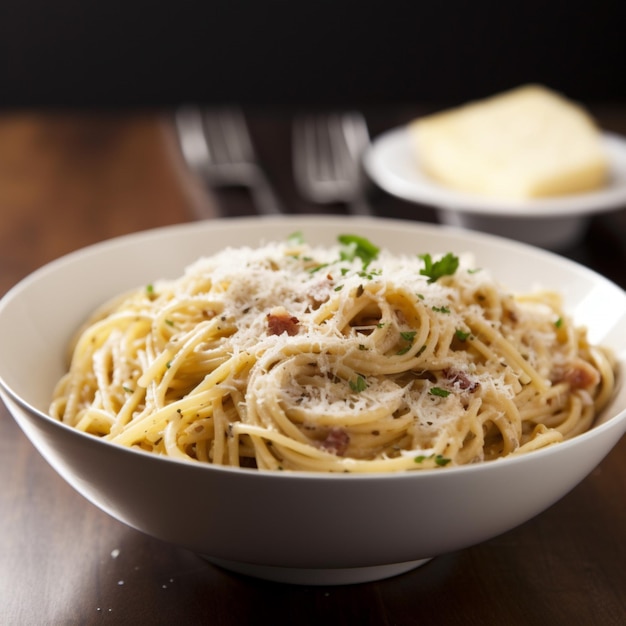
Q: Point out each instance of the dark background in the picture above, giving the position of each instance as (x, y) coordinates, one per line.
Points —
(77, 53)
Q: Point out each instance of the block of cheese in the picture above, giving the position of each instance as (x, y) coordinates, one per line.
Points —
(525, 143)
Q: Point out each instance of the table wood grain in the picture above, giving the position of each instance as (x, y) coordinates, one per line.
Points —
(68, 180)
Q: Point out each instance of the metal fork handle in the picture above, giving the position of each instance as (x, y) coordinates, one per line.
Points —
(360, 206)
(264, 197)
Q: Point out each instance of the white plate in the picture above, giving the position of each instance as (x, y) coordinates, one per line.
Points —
(393, 164)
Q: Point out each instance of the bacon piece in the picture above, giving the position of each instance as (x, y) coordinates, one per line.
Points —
(512, 316)
(579, 375)
(461, 380)
(336, 442)
(279, 322)
(316, 302)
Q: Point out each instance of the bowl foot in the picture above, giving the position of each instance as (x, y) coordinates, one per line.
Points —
(556, 233)
(331, 576)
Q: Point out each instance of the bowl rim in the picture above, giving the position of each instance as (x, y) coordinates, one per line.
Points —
(301, 220)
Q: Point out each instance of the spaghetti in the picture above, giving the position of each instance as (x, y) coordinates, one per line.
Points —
(333, 359)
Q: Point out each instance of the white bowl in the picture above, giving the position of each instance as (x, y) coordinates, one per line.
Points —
(300, 527)
(392, 162)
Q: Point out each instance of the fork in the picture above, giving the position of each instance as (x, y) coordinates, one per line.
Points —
(327, 152)
(216, 144)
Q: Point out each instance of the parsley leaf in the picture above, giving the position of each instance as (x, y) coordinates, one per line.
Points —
(295, 238)
(461, 335)
(359, 384)
(446, 266)
(356, 246)
(438, 391)
(440, 460)
(409, 337)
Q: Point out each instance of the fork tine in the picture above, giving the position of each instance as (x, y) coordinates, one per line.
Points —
(356, 133)
(314, 169)
(216, 143)
(216, 138)
(194, 148)
(303, 145)
(343, 157)
(237, 135)
(326, 162)
(327, 152)
(239, 149)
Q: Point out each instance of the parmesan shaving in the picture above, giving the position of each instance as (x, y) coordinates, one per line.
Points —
(311, 358)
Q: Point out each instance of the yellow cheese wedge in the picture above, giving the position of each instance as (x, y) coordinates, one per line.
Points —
(525, 143)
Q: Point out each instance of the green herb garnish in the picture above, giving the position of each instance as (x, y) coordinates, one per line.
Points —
(461, 335)
(296, 238)
(446, 266)
(439, 459)
(359, 384)
(438, 391)
(409, 337)
(370, 275)
(356, 246)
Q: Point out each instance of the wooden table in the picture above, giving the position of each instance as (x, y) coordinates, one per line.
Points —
(69, 180)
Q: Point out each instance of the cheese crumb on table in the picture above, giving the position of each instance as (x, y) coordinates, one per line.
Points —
(529, 142)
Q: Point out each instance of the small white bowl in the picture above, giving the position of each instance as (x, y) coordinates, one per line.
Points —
(555, 223)
(293, 527)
